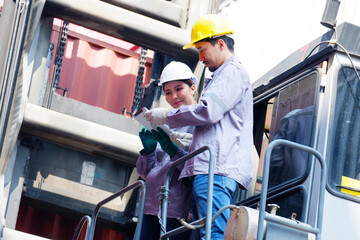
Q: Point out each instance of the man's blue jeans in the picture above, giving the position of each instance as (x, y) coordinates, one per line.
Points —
(224, 193)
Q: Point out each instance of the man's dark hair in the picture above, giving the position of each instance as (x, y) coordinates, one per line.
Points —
(228, 40)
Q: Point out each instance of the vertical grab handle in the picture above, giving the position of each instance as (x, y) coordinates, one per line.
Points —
(265, 181)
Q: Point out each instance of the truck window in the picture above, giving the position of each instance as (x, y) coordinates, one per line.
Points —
(292, 119)
(289, 115)
(344, 166)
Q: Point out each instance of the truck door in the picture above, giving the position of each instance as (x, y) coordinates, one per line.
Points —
(290, 114)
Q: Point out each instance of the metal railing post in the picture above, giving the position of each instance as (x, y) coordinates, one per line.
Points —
(83, 220)
(209, 194)
(90, 231)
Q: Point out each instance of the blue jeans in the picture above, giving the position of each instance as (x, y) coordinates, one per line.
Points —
(224, 193)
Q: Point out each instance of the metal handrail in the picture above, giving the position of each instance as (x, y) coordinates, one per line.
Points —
(90, 231)
(165, 190)
(83, 220)
(272, 218)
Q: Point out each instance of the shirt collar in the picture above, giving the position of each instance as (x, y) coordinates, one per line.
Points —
(222, 66)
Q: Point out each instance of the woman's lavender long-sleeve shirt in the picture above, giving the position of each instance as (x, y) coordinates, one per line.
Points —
(153, 168)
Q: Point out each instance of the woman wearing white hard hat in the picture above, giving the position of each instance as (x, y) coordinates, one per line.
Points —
(160, 150)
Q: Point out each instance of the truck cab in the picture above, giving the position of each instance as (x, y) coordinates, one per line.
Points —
(312, 98)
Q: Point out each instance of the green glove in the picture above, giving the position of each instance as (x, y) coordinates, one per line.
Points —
(165, 142)
(148, 140)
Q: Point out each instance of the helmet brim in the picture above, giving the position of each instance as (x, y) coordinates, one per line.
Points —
(192, 44)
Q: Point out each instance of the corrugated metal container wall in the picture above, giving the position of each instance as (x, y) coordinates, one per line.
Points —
(98, 69)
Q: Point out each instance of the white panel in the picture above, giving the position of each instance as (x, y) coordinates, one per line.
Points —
(88, 173)
(10, 234)
(341, 218)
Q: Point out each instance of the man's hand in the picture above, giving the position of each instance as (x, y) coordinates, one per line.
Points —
(165, 142)
(183, 140)
(156, 116)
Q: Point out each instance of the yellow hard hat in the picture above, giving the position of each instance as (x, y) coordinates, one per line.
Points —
(208, 26)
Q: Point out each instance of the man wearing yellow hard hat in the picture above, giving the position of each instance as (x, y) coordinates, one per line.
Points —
(223, 119)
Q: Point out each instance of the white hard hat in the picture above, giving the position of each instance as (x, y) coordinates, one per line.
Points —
(176, 71)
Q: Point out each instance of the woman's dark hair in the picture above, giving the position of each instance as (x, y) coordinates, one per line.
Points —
(187, 81)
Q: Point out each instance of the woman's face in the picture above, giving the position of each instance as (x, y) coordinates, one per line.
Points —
(178, 93)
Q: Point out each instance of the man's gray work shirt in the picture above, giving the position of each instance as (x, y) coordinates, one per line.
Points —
(223, 119)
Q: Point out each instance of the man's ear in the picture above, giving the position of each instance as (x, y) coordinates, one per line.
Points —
(221, 43)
